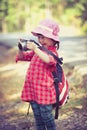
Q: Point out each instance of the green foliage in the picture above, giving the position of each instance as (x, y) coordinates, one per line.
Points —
(80, 7)
(16, 13)
(69, 17)
(84, 28)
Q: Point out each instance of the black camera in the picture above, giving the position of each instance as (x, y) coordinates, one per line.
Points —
(22, 44)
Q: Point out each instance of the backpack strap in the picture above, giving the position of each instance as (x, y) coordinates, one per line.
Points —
(57, 95)
(59, 60)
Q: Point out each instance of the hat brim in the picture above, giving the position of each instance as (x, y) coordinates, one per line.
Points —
(45, 33)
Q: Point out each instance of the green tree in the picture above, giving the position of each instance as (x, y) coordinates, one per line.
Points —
(78, 9)
(21, 15)
(3, 14)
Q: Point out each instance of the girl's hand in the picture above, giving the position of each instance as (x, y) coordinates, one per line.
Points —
(31, 46)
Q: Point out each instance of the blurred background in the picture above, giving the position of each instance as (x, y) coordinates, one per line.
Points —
(17, 19)
(21, 16)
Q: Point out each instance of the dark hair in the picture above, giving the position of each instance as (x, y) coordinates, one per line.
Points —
(56, 43)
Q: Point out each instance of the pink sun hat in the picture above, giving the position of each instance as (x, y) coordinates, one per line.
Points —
(47, 28)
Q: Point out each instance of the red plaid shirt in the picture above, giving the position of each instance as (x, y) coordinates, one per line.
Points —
(39, 83)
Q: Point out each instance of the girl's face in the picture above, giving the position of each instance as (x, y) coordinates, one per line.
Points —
(46, 42)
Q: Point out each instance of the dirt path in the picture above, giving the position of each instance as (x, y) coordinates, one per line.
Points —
(13, 111)
(16, 121)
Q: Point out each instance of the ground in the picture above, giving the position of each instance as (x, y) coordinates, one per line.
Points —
(73, 116)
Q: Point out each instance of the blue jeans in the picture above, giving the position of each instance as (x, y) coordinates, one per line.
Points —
(43, 116)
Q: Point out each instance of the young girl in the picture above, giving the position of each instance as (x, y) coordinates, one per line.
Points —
(39, 87)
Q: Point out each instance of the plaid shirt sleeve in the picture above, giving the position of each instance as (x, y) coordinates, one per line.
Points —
(27, 56)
